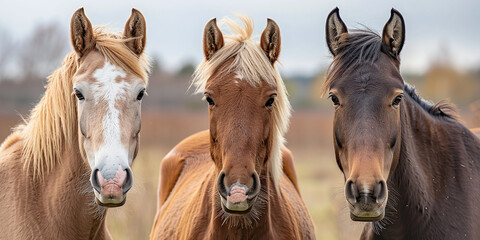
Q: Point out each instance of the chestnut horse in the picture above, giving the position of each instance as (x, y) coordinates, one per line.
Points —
(411, 168)
(236, 180)
(80, 139)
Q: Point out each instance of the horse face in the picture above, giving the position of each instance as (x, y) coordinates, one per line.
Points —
(366, 139)
(108, 101)
(241, 121)
(367, 129)
(240, 129)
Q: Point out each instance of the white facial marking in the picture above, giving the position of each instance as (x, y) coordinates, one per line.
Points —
(238, 75)
(108, 89)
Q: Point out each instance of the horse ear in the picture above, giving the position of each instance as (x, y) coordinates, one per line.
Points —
(136, 30)
(334, 28)
(212, 39)
(393, 35)
(270, 41)
(81, 32)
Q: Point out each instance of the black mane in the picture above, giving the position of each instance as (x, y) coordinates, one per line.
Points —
(443, 108)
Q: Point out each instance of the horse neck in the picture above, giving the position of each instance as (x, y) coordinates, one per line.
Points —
(433, 155)
(66, 196)
(65, 192)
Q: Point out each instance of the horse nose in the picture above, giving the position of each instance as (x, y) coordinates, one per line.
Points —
(121, 179)
(222, 190)
(356, 194)
(255, 189)
(238, 188)
(94, 180)
(128, 183)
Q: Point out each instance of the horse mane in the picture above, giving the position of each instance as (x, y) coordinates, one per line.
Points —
(443, 108)
(250, 61)
(52, 123)
(112, 46)
(363, 46)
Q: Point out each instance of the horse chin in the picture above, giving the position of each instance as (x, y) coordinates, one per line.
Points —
(110, 205)
(240, 208)
(370, 216)
(110, 202)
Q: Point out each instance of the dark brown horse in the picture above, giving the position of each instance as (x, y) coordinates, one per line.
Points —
(235, 180)
(411, 168)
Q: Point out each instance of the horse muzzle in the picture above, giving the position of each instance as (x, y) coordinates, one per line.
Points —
(366, 205)
(110, 186)
(238, 199)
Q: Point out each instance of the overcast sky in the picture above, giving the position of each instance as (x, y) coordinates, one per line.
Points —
(175, 27)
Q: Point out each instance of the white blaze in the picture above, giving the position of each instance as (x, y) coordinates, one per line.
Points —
(238, 75)
(110, 90)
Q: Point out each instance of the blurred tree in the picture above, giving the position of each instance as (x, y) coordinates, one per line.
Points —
(187, 69)
(316, 89)
(6, 52)
(155, 65)
(475, 109)
(43, 50)
(443, 80)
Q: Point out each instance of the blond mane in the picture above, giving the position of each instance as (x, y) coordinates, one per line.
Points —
(250, 61)
(52, 124)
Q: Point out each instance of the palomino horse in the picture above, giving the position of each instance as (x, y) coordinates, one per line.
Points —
(411, 168)
(228, 182)
(84, 129)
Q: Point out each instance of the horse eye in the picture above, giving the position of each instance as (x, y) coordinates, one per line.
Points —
(335, 100)
(140, 95)
(79, 95)
(397, 100)
(210, 101)
(269, 102)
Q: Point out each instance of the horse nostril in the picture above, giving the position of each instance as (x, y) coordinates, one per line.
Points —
(94, 180)
(380, 191)
(351, 191)
(221, 185)
(128, 183)
(255, 189)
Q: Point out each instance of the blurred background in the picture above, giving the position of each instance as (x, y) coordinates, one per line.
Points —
(441, 57)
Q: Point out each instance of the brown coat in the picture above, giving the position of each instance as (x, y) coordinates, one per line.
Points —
(188, 206)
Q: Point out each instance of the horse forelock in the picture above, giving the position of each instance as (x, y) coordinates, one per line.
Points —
(355, 48)
(112, 46)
